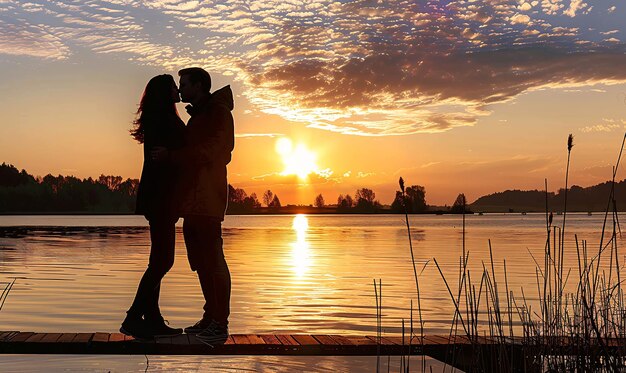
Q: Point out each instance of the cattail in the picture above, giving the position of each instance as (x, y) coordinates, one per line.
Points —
(570, 142)
(401, 181)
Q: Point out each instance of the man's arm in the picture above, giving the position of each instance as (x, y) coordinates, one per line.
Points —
(216, 141)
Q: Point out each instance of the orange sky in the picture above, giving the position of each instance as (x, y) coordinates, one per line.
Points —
(487, 107)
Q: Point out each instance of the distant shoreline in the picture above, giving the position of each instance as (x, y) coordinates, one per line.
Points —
(285, 211)
(293, 212)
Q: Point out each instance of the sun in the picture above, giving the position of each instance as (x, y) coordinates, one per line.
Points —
(298, 160)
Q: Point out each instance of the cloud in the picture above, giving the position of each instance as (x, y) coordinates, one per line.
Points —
(575, 5)
(31, 40)
(526, 6)
(252, 135)
(607, 125)
(601, 128)
(520, 18)
(360, 68)
(276, 178)
(551, 7)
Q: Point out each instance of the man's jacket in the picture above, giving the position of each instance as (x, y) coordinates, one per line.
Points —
(209, 141)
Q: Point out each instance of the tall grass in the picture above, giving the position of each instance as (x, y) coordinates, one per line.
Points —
(580, 327)
(5, 293)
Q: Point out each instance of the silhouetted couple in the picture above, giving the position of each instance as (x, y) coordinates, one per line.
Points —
(184, 175)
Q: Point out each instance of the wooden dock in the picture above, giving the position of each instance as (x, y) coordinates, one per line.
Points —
(459, 351)
(13, 342)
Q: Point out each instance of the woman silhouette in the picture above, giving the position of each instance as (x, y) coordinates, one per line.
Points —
(157, 125)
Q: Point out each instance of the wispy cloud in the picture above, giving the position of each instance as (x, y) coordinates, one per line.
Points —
(253, 135)
(575, 6)
(33, 41)
(361, 67)
(607, 125)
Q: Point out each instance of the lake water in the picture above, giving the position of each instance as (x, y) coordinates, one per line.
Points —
(290, 274)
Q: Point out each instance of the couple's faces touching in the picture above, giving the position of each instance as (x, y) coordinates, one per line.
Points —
(188, 90)
(174, 94)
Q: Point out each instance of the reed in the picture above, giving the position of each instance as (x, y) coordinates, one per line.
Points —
(420, 337)
(580, 327)
(5, 293)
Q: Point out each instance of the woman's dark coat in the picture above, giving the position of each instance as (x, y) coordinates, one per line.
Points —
(157, 195)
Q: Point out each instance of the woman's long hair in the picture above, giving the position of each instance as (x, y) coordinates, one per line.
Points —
(155, 105)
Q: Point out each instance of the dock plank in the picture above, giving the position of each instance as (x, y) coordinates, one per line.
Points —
(326, 340)
(128, 338)
(21, 337)
(304, 339)
(241, 339)
(99, 337)
(50, 338)
(362, 341)
(255, 339)
(8, 335)
(36, 337)
(271, 340)
(436, 339)
(287, 340)
(398, 340)
(383, 341)
(344, 341)
(66, 337)
(82, 337)
(116, 337)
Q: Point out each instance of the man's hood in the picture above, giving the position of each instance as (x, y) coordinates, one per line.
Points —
(223, 97)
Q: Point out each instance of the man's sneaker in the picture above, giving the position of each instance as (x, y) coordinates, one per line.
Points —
(158, 328)
(198, 327)
(135, 327)
(214, 334)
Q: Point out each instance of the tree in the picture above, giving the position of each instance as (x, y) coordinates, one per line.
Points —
(319, 201)
(10, 176)
(251, 202)
(240, 201)
(275, 202)
(365, 194)
(268, 197)
(365, 199)
(344, 203)
(236, 195)
(111, 182)
(414, 200)
(460, 204)
(349, 201)
(128, 187)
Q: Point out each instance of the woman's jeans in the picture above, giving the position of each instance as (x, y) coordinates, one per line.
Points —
(162, 249)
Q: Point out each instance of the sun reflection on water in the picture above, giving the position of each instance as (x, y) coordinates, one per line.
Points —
(300, 257)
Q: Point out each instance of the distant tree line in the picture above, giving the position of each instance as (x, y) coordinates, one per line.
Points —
(593, 198)
(21, 192)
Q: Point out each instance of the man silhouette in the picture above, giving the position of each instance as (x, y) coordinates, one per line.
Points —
(209, 141)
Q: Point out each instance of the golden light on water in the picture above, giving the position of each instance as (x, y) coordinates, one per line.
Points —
(300, 254)
(297, 160)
